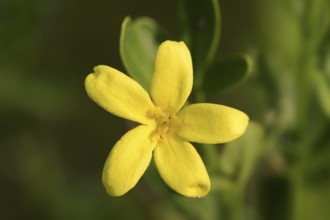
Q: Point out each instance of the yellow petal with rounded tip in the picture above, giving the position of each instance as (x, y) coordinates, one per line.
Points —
(128, 160)
(173, 76)
(210, 123)
(118, 94)
(181, 167)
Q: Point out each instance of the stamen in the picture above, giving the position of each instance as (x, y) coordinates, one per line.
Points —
(163, 122)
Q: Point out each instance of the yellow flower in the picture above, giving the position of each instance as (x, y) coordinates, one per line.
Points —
(165, 129)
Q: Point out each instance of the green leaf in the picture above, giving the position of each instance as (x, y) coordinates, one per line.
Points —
(321, 75)
(226, 73)
(240, 156)
(323, 92)
(200, 23)
(139, 41)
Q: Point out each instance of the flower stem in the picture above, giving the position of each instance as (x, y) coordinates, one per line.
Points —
(209, 151)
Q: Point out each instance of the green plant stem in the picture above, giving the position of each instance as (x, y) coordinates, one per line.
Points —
(233, 198)
(209, 151)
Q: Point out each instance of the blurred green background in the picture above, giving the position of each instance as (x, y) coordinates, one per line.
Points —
(54, 140)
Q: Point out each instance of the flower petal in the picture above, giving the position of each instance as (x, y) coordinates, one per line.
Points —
(211, 123)
(118, 94)
(181, 167)
(173, 77)
(128, 160)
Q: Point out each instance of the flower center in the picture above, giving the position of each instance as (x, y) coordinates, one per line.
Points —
(164, 123)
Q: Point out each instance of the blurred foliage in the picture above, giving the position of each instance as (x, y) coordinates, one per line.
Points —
(273, 63)
(200, 25)
(227, 73)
